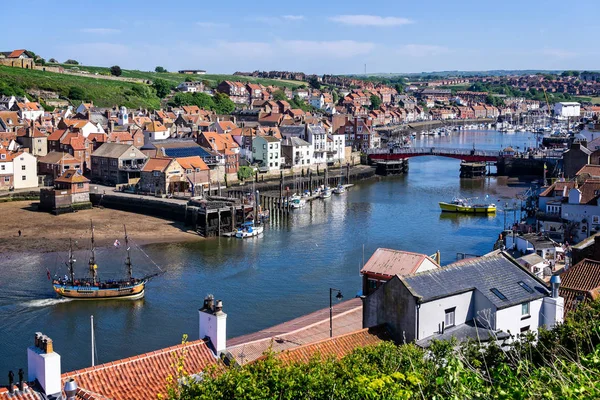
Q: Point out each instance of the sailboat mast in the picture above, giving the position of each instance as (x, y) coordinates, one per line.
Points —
(93, 257)
(128, 260)
(71, 262)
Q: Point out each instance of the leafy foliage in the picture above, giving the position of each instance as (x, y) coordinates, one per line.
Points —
(375, 102)
(72, 62)
(160, 70)
(297, 102)
(220, 103)
(245, 172)
(562, 363)
(279, 95)
(76, 93)
(223, 104)
(115, 70)
(162, 87)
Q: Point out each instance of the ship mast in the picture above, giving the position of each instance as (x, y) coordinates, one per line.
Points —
(71, 263)
(93, 257)
(128, 260)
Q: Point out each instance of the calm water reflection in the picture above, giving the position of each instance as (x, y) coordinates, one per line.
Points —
(262, 281)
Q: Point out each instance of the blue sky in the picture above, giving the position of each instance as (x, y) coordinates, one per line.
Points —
(310, 36)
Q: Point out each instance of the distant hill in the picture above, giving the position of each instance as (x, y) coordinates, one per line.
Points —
(106, 92)
(444, 74)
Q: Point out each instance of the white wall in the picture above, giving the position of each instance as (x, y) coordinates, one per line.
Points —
(433, 313)
(29, 163)
(45, 368)
(510, 319)
(214, 327)
(426, 265)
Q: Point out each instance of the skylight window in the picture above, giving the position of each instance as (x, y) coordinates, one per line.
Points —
(498, 293)
(525, 286)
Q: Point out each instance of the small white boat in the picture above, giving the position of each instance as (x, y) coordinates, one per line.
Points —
(326, 193)
(248, 229)
(316, 192)
(298, 203)
(339, 190)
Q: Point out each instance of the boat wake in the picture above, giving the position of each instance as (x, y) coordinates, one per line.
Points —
(45, 302)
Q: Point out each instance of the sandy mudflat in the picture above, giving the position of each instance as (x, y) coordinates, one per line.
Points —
(44, 232)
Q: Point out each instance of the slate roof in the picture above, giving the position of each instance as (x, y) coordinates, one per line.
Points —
(316, 129)
(497, 270)
(292, 130)
(54, 157)
(294, 141)
(462, 332)
(112, 150)
(388, 262)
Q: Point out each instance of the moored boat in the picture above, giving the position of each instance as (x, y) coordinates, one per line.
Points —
(464, 206)
(339, 189)
(248, 229)
(298, 203)
(325, 193)
(92, 288)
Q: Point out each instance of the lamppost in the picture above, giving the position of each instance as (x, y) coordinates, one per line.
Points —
(337, 296)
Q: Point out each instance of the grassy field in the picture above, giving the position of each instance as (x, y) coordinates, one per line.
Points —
(176, 78)
(104, 93)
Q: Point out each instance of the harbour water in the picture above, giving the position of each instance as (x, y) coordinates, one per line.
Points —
(262, 281)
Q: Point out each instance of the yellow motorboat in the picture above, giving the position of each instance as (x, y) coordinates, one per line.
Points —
(463, 206)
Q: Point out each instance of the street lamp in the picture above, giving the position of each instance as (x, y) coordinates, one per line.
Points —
(337, 296)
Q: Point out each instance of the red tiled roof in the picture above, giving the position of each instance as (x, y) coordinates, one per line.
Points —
(192, 162)
(156, 164)
(56, 135)
(142, 377)
(590, 190)
(337, 347)
(589, 169)
(387, 262)
(72, 176)
(310, 328)
(558, 186)
(16, 53)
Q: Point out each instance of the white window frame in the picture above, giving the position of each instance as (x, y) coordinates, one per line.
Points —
(450, 317)
(525, 309)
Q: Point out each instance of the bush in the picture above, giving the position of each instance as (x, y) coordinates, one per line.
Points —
(160, 70)
(115, 70)
(245, 172)
(72, 62)
(76, 93)
(562, 363)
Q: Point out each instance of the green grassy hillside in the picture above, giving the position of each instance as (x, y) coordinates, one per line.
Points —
(103, 92)
(176, 78)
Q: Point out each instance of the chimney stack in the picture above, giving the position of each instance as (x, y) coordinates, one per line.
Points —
(553, 306)
(213, 324)
(43, 365)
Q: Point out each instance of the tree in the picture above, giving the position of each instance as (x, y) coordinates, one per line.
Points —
(375, 102)
(72, 62)
(223, 104)
(53, 61)
(162, 87)
(314, 83)
(279, 95)
(245, 172)
(399, 87)
(76, 93)
(115, 70)
(335, 96)
(160, 70)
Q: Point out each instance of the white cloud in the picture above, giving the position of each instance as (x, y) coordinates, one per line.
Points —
(100, 31)
(370, 20)
(559, 53)
(293, 17)
(211, 25)
(421, 50)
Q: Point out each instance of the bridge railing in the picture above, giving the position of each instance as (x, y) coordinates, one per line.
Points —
(435, 151)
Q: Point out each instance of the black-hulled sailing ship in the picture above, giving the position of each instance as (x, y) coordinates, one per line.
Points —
(92, 288)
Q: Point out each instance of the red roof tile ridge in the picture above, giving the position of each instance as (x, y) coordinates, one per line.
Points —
(150, 354)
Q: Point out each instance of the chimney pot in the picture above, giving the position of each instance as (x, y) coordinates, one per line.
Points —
(555, 285)
(70, 388)
(21, 374)
(11, 380)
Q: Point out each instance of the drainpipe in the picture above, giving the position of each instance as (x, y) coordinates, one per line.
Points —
(417, 333)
